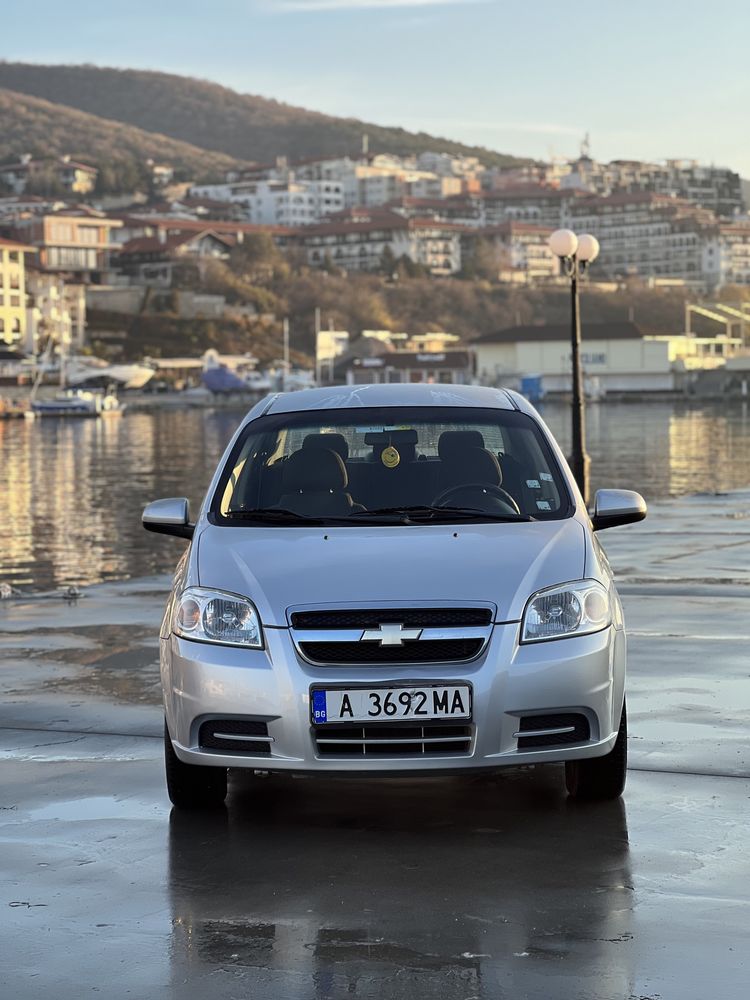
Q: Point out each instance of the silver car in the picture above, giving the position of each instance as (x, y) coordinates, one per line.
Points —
(390, 580)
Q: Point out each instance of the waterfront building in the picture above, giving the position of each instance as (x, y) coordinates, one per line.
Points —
(13, 291)
(56, 310)
(442, 367)
(616, 357)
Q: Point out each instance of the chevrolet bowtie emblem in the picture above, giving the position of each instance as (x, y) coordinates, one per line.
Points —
(390, 635)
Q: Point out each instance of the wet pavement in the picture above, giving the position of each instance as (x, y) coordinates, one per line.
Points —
(453, 889)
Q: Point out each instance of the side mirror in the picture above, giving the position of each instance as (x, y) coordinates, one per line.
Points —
(169, 517)
(613, 507)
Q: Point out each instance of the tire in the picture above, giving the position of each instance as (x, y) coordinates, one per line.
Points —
(600, 778)
(193, 786)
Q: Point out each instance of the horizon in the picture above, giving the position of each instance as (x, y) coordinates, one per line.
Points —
(665, 111)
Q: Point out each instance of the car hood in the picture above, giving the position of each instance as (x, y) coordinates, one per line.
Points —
(278, 568)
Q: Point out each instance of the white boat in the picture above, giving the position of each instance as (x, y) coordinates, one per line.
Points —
(78, 403)
(81, 369)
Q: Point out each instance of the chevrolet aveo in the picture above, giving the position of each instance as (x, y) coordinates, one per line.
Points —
(387, 580)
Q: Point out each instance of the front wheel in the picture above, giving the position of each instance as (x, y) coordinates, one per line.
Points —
(192, 786)
(598, 778)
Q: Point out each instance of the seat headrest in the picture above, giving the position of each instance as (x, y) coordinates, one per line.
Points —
(314, 470)
(452, 443)
(478, 465)
(334, 442)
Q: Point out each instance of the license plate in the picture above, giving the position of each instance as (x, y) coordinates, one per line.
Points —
(390, 704)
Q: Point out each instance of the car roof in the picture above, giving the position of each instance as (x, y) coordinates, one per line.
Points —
(356, 397)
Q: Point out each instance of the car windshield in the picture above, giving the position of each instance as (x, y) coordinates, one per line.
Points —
(391, 465)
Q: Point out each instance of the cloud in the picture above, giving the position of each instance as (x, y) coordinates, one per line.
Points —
(287, 6)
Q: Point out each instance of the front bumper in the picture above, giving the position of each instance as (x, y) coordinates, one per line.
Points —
(583, 674)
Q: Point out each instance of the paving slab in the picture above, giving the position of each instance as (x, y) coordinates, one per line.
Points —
(486, 888)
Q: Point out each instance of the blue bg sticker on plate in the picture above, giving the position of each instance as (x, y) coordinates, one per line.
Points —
(320, 713)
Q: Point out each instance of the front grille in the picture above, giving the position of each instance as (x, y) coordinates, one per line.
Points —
(387, 740)
(426, 651)
(235, 736)
(409, 617)
(563, 729)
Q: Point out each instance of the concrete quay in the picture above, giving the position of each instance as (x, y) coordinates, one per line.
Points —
(451, 889)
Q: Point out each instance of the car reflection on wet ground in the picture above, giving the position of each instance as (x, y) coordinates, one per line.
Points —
(493, 887)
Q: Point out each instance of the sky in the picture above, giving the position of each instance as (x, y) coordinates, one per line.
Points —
(647, 79)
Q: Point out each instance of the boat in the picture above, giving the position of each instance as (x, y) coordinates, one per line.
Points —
(233, 373)
(78, 403)
(81, 370)
(13, 409)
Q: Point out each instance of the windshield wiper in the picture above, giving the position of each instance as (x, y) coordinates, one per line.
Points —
(278, 515)
(271, 514)
(427, 511)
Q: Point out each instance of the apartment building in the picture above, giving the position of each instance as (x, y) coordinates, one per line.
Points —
(522, 249)
(55, 309)
(726, 255)
(716, 188)
(13, 291)
(75, 177)
(645, 234)
(538, 204)
(276, 202)
(357, 239)
(78, 241)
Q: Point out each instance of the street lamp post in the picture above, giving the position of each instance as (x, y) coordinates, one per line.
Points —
(576, 253)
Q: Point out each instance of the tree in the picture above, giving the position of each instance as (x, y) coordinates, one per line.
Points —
(387, 262)
(482, 261)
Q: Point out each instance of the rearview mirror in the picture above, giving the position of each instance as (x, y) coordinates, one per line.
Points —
(613, 507)
(169, 517)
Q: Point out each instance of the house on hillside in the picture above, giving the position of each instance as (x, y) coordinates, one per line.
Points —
(150, 260)
(73, 176)
(77, 241)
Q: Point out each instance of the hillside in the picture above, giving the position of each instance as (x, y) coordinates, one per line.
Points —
(32, 125)
(214, 117)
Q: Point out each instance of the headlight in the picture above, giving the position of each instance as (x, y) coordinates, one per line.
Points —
(213, 616)
(570, 609)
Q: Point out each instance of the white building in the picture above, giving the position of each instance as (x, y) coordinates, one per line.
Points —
(55, 310)
(726, 255)
(716, 188)
(617, 357)
(645, 234)
(357, 240)
(278, 203)
(522, 249)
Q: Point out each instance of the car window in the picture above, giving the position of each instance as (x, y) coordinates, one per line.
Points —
(333, 464)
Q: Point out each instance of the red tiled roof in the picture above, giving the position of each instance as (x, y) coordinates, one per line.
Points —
(365, 220)
(513, 226)
(150, 244)
(15, 245)
(193, 225)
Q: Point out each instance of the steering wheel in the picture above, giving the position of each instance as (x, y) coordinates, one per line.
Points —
(496, 491)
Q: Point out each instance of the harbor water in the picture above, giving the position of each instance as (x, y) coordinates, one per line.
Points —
(73, 490)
